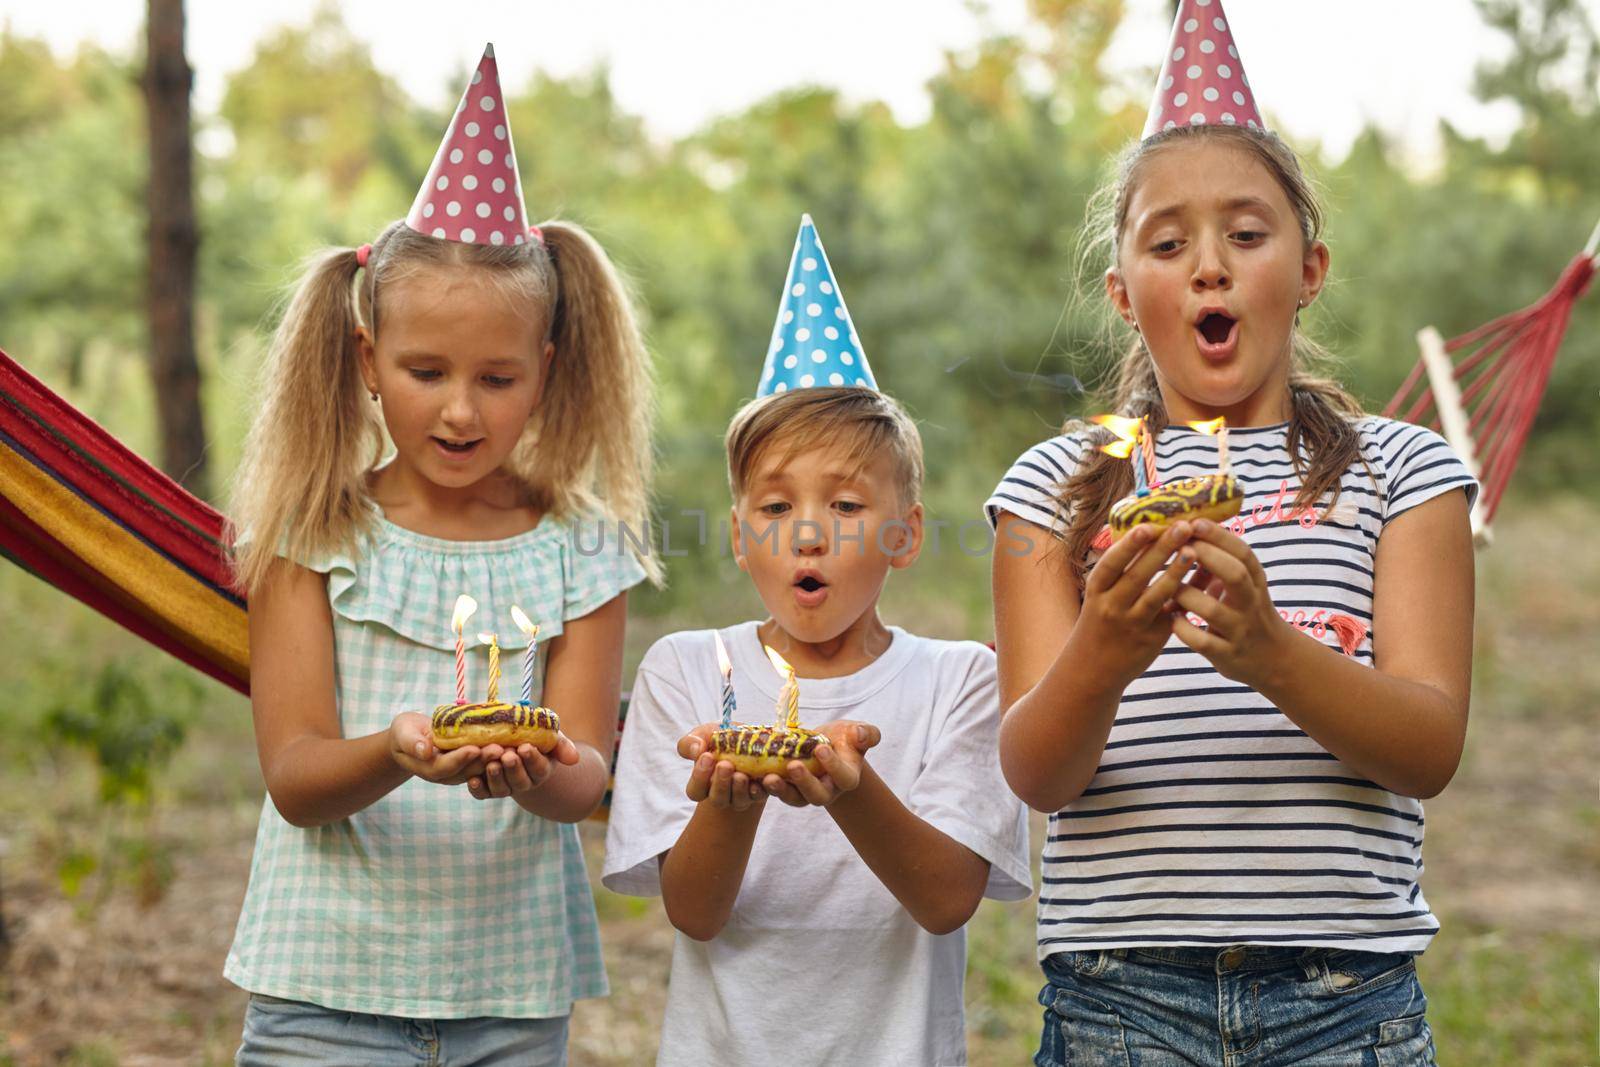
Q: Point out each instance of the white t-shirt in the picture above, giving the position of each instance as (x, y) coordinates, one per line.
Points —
(1213, 819)
(818, 962)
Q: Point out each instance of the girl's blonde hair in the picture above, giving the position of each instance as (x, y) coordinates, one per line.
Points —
(1322, 440)
(586, 452)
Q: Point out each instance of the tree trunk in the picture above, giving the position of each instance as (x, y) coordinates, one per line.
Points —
(174, 239)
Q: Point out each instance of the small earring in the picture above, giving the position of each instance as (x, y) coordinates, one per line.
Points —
(374, 397)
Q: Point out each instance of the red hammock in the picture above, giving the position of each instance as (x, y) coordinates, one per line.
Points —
(1486, 402)
(88, 516)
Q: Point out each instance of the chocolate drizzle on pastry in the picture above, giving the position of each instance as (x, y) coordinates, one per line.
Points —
(1214, 496)
(761, 741)
(449, 719)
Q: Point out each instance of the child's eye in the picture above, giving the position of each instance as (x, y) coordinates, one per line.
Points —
(424, 374)
(1163, 247)
(1248, 237)
(849, 507)
(497, 381)
(774, 509)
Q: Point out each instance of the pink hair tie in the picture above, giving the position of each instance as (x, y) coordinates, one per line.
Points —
(363, 254)
(536, 233)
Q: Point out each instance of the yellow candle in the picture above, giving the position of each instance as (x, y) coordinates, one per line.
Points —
(493, 641)
(787, 711)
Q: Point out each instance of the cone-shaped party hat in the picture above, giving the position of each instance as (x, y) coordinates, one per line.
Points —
(472, 192)
(1202, 79)
(813, 341)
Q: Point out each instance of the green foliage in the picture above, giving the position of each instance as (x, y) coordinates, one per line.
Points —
(129, 734)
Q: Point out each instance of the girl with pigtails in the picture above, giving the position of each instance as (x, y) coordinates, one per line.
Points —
(389, 909)
(1231, 724)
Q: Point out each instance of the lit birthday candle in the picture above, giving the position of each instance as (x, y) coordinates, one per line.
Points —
(530, 630)
(1147, 444)
(493, 641)
(465, 606)
(725, 665)
(1219, 427)
(787, 710)
(1128, 431)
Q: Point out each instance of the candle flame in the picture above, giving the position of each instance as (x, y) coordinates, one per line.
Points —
(724, 664)
(488, 639)
(1121, 449)
(1127, 431)
(529, 628)
(1210, 426)
(1125, 428)
(779, 664)
(465, 606)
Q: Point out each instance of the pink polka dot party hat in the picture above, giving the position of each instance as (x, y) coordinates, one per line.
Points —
(1202, 79)
(472, 193)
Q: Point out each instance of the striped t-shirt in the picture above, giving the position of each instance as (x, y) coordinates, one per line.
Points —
(1213, 819)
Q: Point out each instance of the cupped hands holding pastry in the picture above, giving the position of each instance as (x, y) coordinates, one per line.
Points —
(716, 780)
(412, 749)
(1244, 634)
(842, 756)
(511, 772)
(1128, 597)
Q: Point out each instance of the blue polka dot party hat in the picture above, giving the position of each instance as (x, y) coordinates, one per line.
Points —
(813, 342)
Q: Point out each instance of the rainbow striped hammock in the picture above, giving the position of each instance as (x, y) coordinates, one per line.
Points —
(82, 512)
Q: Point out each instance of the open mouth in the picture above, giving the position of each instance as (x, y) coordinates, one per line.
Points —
(457, 448)
(810, 583)
(1216, 327)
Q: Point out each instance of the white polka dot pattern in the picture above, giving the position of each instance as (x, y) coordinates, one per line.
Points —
(474, 173)
(807, 349)
(1202, 80)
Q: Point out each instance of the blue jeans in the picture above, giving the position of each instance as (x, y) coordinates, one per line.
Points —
(1246, 1006)
(308, 1035)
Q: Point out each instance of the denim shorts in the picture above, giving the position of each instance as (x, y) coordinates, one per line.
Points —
(293, 1032)
(1245, 1006)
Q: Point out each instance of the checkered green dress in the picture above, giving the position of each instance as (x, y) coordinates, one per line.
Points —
(430, 904)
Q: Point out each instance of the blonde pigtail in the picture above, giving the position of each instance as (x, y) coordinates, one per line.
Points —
(298, 489)
(590, 450)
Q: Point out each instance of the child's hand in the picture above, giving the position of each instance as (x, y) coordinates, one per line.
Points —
(1243, 630)
(716, 780)
(1127, 598)
(841, 755)
(510, 772)
(411, 746)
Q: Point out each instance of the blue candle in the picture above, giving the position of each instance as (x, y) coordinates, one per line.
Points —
(531, 631)
(726, 667)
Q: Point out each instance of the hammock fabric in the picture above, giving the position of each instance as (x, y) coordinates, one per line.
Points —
(1503, 380)
(83, 513)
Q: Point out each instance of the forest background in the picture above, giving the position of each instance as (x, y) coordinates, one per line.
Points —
(957, 243)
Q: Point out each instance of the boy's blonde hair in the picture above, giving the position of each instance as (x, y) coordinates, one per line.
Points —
(865, 422)
(300, 490)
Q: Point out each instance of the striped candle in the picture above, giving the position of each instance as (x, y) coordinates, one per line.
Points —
(725, 665)
(530, 630)
(1148, 443)
(787, 711)
(493, 641)
(465, 606)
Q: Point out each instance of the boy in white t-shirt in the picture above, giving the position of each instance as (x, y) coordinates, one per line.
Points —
(820, 916)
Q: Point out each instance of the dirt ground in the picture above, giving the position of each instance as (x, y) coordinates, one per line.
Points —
(1512, 855)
